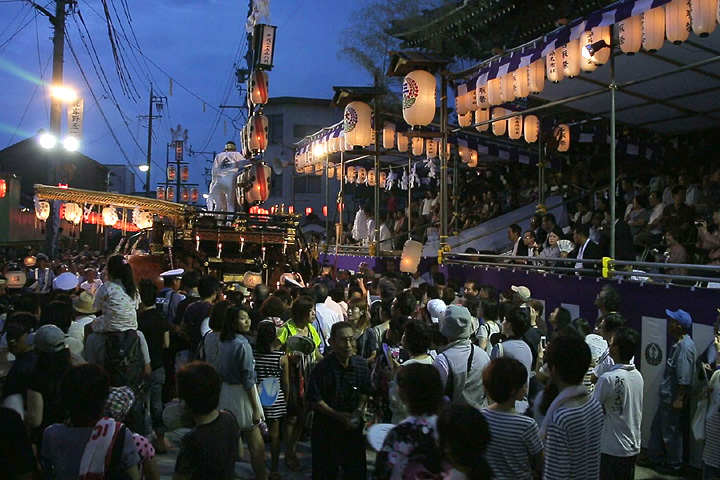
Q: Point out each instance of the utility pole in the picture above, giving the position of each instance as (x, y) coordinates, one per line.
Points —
(58, 23)
(158, 101)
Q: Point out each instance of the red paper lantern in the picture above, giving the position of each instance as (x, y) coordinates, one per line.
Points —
(160, 193)
(325, 210)
(308, 211)
(291, 210)
(3, 188)
(194, 196)
(184, 173)
(171, 173)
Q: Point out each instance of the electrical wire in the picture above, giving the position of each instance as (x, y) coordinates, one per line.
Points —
(20, 29)
(42, 70)
(32, 97)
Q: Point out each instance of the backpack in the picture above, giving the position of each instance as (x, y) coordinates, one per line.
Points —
(124, 360)
(473, 391)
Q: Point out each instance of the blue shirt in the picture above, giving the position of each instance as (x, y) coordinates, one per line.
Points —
(236, 363)
(679, 369)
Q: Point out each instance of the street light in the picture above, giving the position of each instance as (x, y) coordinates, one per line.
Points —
(47, 140)
(144, 167)
(64, 94)
(71, 144)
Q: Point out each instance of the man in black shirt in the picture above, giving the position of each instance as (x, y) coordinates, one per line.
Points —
(17, 328)
(338, 392)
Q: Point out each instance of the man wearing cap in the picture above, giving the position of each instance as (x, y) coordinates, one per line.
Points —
(523, 293)
(666, 433)
(169, 298)
(460, 356)
(42, 275)
(17, 328)
(225, 167)
(66, 282)
(84, 315)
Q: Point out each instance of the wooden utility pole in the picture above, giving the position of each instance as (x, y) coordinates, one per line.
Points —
(58, 22)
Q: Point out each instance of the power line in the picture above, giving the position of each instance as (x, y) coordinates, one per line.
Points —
(20, 29)
(42, 70)
(28, 105)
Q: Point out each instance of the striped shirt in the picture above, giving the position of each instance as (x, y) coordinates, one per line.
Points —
(572, 446)
(514, 439)
(270, 365)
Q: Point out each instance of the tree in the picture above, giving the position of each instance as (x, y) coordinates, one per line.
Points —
(365, 42)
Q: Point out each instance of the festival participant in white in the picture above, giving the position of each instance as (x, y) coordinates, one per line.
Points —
(620, 392)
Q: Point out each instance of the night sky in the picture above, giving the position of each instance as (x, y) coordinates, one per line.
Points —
(195, 42)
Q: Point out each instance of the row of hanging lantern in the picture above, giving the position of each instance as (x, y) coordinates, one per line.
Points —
(108, 216)
(674, 21)
(187, 194)
(172, 173)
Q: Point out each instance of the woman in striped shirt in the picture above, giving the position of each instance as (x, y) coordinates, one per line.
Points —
(515, 450)
(271, 363)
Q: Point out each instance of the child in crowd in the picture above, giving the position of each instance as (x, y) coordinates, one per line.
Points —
(118, 298)
(464, 437)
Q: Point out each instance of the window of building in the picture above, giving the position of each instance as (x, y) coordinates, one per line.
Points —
(275, 129)
(301, 131)
(308, 185)
(276, 185)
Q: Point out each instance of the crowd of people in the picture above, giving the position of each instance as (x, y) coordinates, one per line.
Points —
(465, 381)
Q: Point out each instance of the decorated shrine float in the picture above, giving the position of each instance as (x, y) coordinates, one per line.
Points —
(158, 235)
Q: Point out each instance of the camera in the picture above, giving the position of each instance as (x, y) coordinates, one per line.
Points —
(699, 223)
(654, 251)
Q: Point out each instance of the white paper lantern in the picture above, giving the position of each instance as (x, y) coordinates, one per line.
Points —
(515, 127)
(418, 145)
(630, 34)
(460, 106)
(677, 21)
(481, 94)
(350, 176)
(703, 16)
(499, 127)
(520, 82)
(653, 29)
(418, 104)
(356, 124)
(110, 215)
(252, 279)
(465, 120)
(602, 56)
(361, 175)
(308, 168)
(73, 213)
(257, 133)
(463, 150)
(562, 133)
(507, 92)
(493, 92)
(410, 259)
(531, 128)
(482, 115)
(536, 76)
(432, 146)
(570, 58)
(331, 170)
(402, 142)
(470, 100)
(144, 220)
(170, 194)
(389, 135)
(587, 63)
(554, 66)
(160, 193)
(259, 87)
(42, 210)
(319, 169)
(473, 161)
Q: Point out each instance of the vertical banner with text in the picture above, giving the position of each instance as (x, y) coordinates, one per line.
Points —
(76, 111)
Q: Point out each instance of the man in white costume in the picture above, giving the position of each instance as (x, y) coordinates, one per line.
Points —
(221, 196)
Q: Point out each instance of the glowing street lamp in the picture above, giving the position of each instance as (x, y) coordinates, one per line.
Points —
(71, 144)
(47, 141)
(64, 94)
(144, 167)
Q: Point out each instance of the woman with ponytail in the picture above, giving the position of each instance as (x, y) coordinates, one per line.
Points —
(464, 436)
(117, 298)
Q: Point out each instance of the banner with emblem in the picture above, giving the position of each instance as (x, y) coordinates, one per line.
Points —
(652, 366)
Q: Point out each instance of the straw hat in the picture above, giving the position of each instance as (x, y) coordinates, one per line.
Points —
(84, 302)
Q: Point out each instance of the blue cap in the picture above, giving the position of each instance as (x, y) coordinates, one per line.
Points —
(681, 316)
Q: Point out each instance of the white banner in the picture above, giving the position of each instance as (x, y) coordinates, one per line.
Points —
(76, 112)
(652, 365)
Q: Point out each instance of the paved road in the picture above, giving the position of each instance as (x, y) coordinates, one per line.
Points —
(166, 463)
